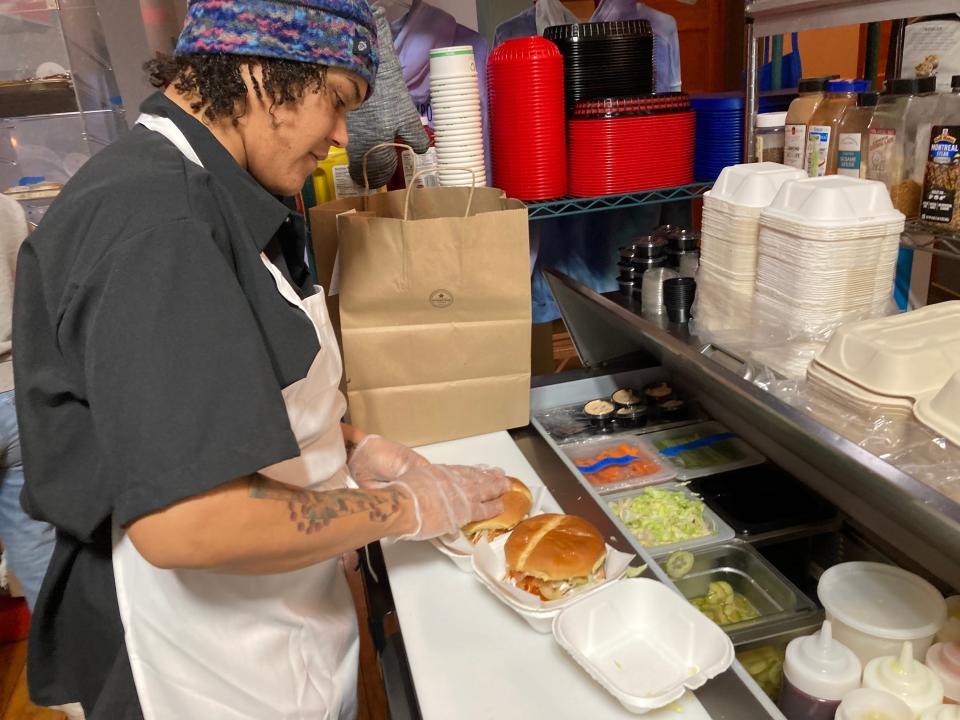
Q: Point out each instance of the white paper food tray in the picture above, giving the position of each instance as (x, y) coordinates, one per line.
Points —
(721, 531)
(643, 643)
(906, 355)
(460, 550)
(490, 566)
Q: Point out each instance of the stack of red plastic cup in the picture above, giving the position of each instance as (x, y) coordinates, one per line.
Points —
(527, 122)
(624, 145)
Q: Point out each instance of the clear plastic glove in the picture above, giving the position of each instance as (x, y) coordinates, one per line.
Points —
(447, 497)
(376, 460)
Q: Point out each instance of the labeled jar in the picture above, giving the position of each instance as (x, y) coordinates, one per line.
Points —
(798, 116)
(770, 136)
(892, 139)
(823, 128)
(940, 202)
(854, 140)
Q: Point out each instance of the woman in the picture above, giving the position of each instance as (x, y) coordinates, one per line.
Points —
(178, 398)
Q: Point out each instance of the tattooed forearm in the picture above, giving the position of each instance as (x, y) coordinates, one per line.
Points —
(311, 511)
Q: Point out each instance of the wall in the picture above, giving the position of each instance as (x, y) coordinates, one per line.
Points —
(830, 51)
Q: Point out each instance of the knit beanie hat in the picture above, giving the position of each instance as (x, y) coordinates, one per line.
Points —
(337, 33)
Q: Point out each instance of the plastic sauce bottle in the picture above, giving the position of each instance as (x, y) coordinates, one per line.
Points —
(822, 130)
(852, 142)
(940, 202)
(798, 115)
(869, 704)
(817, 672)
(944, 660)
(892, 132)
(941, 712)
(905, 677)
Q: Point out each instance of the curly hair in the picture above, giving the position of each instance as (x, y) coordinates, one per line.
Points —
(218, 85)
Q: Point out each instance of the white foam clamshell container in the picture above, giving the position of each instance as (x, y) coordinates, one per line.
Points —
(490, 567)
(906, 355)
(749, 185)
(460, 550)
(940, 411)
(643, 643)
(833, 207)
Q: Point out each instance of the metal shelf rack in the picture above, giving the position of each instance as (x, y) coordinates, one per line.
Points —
(567, 206)
(917, 236)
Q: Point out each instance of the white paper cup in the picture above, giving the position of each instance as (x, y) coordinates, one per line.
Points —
(451, 61)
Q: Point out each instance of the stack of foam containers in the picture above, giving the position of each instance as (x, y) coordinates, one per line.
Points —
(897, 365)
(827, 255)
(729, 242)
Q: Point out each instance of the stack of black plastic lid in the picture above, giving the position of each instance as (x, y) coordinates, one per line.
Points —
(605, 59)
(644, 253)
(678, 294)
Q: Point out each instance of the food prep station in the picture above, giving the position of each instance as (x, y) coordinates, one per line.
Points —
(784, 498)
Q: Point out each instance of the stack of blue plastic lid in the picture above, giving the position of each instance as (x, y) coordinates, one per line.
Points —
(719, 134)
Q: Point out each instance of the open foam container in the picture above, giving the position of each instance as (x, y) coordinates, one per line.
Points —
(642, 642)
(490, 566)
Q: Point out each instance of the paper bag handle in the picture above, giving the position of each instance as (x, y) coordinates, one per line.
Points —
(427, 171)
(366, 156)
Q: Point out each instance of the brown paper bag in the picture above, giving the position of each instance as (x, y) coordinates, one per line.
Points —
(434, 311)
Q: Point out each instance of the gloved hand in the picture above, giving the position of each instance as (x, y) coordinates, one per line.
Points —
(387, 116)
(376, 460)
(447, 497)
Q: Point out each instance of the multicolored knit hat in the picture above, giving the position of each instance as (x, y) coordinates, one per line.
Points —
(338, 33)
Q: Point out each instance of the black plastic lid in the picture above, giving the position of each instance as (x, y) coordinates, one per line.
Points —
(927, 85)
(868, 99)
(955, 82)
(598, 30)
(902, 86)
(814, 84)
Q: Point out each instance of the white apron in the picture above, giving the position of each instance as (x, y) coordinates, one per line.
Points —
(205, 646)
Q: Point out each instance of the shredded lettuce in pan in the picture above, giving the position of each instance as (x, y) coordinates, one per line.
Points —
(661, 517)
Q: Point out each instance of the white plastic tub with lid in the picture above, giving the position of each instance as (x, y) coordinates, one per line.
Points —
(874, 608)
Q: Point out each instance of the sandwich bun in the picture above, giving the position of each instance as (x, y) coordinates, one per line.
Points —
(551, 554)
(517, 502)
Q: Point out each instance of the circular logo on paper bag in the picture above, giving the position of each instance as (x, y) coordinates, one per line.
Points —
(441, 298)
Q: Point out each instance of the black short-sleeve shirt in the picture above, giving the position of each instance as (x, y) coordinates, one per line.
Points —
(152, 348)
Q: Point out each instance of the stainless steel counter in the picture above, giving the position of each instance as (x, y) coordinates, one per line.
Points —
(911, 517)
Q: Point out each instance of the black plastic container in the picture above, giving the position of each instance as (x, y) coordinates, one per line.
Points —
(665, 231)
(627, 397)
(644, 264)
(658, 393)
(684, 240)
(600, 412)
(632, 416)
(761, 499)
(630, 288)
(650, 246)
(678, 295)
(673, 410)
(629, 272)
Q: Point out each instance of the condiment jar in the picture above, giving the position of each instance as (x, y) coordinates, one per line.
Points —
(823, 128)
(817, 672)
(798, 115)
(905, 677)
(870, 704)
(770, 136)
(944, 660)
(854, 141)
(893, 136)
(940, 203)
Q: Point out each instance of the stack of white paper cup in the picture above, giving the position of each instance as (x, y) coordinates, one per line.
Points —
(457, 119)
